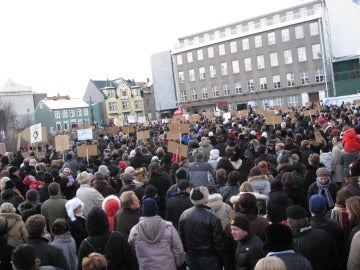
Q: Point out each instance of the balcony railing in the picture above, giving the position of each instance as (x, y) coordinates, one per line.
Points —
(347, 75)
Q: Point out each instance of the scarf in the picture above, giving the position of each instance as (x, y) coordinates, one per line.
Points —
(324, 190)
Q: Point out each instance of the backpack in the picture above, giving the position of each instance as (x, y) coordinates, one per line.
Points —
(103, 251)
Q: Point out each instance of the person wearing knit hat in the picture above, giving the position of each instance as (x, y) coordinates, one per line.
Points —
(31, 206)
(324, 186)
(111, 204)
(214, 157)
(317, 207)
(352, 182)
(74, 210)
(314, 244)
(114, 244)
(201, 231)
(248, 246)
(156, 241)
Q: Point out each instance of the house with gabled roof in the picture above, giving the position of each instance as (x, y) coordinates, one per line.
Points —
(63, 114)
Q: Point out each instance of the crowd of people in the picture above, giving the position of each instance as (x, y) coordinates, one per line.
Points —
(246, 196)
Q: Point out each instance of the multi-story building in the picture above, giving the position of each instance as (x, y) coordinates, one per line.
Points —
(63, 114)
(123, 100)
(280, 58)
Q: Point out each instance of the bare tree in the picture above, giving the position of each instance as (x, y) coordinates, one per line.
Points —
(7, 125)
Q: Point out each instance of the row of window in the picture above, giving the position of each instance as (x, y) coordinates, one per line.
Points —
(113, 106)
(280, 101)
(124, 93)
(66, 125)
(257, 42)
(71, 113)
(248, 66)
(263, 85)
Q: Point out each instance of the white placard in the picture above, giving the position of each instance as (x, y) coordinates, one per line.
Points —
(35, 133)
(141, 119)
(84, 134)
(131, 119)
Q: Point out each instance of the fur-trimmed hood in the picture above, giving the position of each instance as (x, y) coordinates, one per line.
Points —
(215, 201)
(258, 178)
(235, 199)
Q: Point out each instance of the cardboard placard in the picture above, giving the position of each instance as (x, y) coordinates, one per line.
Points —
(356, 101)
(128, 129)
(177, 148)
(62, 143)
(2, 148)
(25, 134)
(273, 120)
(310, 112)
(208, 115)
(173, 136)
(143, 135)
(113, 130)
(146, 124)
(194, 118)
(243, 113)
(87, 150)
(179, 128)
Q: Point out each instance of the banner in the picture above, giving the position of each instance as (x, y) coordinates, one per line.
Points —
(62, 143)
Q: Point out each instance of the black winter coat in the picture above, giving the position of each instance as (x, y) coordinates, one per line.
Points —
(276, 205)
(122, 255)
(248, 251)
(175, 206)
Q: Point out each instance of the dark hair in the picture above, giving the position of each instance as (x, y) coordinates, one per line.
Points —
(287, 179)
(35, 226)
(255, 171)
(278, 238)
(180, 174)
(54, 188)
(59, 226)
(233, 178)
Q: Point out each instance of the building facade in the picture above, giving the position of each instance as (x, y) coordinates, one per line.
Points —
(282, 58)
(63, 114)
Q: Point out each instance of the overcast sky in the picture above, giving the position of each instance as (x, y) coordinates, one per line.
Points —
(58, 46)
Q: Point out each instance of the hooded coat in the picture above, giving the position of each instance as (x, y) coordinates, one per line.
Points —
(220, 209)
(17, 233)
(157, 244)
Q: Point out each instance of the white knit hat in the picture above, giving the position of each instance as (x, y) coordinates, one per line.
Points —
(71, 205)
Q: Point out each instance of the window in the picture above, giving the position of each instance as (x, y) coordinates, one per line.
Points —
(235, 66)
(78, 112)
(201, 73)
(215, 90)
(57, 114)
(192, 75)
(72, 113)
(285, 35)
(263, 84)
(274, 59)
(258, 41)
(223, 67)
(247, 62)
(124, 94)
(319, 75)
(204, 93)
(194, 95)
(138, 104)
(221, 49)
(314, 29)
(304, 77)
(293, 101)
(271, 38)
(112, 106)
(260, 62)
(226, 89)
(276, 81)
(179, 59)
(237, 87)
(316, 51)
(181, 77)
(211, 52)
(301, 54)
(111, 93)
(245, 44)
(183, 96)
(86, 112)
(189, 57)
(233, 47)
(288, 57)
(64, 113)
(250, 85)
(299, 32)
(126, 105)
(279, 101)
(290, 79)
(212, 71)
(58, 125)
(200, 55)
